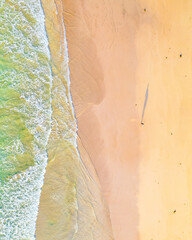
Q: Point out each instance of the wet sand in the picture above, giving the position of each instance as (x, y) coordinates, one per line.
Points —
(103, 64)
(71, 205)
(117, 48)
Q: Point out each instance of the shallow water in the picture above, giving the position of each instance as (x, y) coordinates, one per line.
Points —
(25, 115)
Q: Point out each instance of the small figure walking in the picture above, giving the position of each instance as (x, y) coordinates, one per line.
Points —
(145, 103)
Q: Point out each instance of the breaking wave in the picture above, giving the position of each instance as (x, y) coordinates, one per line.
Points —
(25, 115)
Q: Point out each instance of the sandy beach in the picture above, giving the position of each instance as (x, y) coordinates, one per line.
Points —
(103, 65)
(71, 204)
(96, 120)
(117, 49)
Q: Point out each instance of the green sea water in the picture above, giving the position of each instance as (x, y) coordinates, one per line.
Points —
(25, 115)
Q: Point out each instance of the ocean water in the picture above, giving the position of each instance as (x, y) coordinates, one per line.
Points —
(25, 115)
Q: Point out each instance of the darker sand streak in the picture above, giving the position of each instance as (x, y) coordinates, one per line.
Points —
(103, 84)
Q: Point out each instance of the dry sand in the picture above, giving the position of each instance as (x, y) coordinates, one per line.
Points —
(117, 48)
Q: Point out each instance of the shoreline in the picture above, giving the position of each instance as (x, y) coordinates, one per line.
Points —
(70, 184)
(116, 48)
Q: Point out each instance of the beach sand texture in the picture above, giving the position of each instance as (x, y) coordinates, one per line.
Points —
(117, 50)
(71, 204)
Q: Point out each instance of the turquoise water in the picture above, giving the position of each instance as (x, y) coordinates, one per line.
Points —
(25, 115)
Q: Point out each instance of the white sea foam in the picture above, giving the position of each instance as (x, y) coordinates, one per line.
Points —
(20, 194)
(67, 77)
